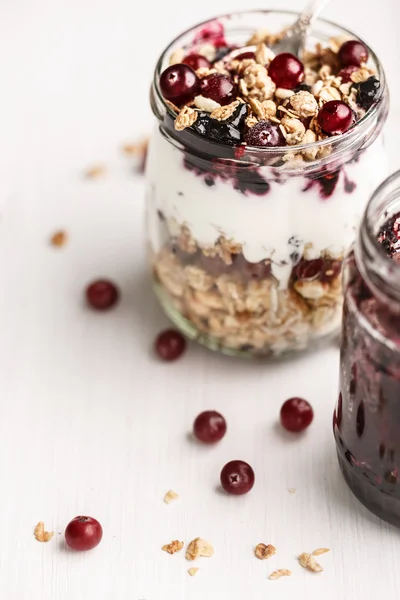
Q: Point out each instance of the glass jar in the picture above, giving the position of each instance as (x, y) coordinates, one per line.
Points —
(247, 243)
(367, 416)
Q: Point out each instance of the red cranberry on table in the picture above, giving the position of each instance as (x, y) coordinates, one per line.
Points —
(237, 477)
(218, 87)
(83, 533)
(296, 414)
(265, 134)
(209, 427)
(179, 83)
(347, 72)
(197, 61)
(170, 345)
(353, 53)
(335, 117)
(286, 71)
(102, 294)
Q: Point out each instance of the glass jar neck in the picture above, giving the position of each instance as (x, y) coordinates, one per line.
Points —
(329, 154)
(381, 273)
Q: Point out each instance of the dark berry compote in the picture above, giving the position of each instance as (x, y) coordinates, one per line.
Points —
(367, 416)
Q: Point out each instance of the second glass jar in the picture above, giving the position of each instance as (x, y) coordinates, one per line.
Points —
(247, 244)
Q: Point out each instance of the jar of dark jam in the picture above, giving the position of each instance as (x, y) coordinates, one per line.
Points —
(367, 416)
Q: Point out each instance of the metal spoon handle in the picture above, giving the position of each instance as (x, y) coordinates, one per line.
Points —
(309, 14)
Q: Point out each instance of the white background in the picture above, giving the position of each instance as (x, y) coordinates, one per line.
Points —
(90, 422)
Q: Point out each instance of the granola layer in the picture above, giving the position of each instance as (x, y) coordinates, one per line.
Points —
(240, 305)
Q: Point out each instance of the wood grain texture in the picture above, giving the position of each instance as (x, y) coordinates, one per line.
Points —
(90, 422)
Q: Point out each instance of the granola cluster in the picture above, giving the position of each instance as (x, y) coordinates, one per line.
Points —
(250, 80)
(240, 306)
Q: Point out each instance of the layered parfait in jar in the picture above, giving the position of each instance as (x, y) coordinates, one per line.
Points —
(367, 416)
(258, 171)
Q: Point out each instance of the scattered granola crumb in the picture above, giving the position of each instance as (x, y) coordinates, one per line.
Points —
(292, 490)
(199, 547)
(280, 573)
(262, 551)
(320, 551)
(136, 148)
(171, 496)
(174, 546)
(95, 171)
(59, 238)
(192, 572)
(41, 535)
(307, 561)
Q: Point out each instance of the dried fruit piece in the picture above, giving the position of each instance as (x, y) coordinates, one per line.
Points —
(192, 572)
(307, 561)
(263, 551)
(171, 496)
(41, 535)
(59, 238)
(280, 573)
(173, 547)
(199, 547)
(320, 551)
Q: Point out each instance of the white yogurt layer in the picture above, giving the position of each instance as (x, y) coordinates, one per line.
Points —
(263, 225)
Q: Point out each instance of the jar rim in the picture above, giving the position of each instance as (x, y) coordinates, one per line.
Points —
(348, 137)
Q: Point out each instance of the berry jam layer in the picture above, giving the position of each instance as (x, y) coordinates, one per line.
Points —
(367, 416)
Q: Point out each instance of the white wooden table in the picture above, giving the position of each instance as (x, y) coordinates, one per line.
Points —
(90, 422)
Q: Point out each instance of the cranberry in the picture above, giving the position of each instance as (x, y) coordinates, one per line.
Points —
(170, 345)
(347, 72)
(245, 56)
(237, 477)
(197, 61)
(209, 427)
(353, 53)
(335, 117)
(102, 294)
(265, 134)
(296, 414)
(308, 270)
(286, 71)
(219, 88)
(83, 533)
(213, 33)
(179, 84)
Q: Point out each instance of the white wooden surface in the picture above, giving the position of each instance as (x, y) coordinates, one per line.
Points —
(90, 422)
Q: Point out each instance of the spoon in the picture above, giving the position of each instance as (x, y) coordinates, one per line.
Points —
(296, 35)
